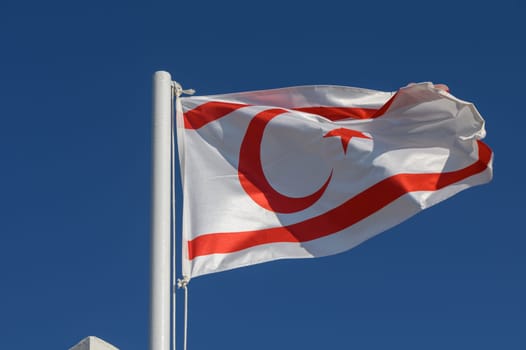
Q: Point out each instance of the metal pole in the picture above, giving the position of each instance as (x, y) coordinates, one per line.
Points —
(160, 213)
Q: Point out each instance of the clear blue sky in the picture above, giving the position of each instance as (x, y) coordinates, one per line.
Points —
(75, 101)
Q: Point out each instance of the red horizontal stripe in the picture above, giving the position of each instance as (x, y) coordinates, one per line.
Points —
(354, 210)
(208, 112)
(214, 110)
(339, 113)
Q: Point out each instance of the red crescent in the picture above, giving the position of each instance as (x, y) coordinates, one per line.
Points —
(252, 177)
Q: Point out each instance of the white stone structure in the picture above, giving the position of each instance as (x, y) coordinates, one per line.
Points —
(93, 343)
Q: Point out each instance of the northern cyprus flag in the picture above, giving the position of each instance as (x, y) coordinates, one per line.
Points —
(312, 171)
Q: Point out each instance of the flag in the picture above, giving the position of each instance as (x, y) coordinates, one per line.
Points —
(312, 171)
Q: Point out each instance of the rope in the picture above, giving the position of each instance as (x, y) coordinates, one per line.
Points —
(174, 92)
(183, 283)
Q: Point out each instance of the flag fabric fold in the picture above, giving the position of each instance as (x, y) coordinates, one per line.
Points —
(312, 171)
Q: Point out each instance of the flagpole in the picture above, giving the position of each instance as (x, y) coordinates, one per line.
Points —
(160, 213)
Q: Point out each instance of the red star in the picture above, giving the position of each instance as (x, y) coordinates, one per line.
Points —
(346, 136)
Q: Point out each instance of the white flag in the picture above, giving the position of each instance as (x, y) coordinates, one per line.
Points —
(315, 170)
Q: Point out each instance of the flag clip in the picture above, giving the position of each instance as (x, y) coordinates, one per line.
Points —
(178, 89)
(183, 282)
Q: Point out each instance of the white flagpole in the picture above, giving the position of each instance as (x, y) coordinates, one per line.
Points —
(160, 213)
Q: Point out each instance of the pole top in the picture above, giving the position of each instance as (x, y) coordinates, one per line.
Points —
(162, 75)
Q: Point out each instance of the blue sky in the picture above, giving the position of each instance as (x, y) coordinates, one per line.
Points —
(75, 87)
